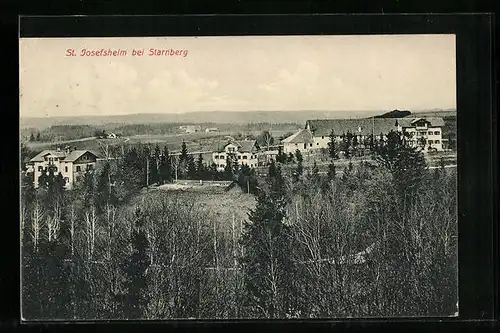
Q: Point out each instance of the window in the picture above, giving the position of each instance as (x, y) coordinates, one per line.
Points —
(430, 133)
(317, 144)
(245, 157)
(78, 168)
(90, 167)
(77, 178)
(295, 145)
(437, 141)
(310, 145)
(239, 157)
(322, 137)
(436, 133)
(40, 168)
(429, 142)
(65, 169)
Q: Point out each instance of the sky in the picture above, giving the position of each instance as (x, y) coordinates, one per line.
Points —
(240, 73)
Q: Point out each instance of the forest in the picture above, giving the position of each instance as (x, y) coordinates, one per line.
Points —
(57, 133)
(379, 239)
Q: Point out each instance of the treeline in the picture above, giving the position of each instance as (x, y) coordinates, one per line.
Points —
(155, 166)
(376, 241)
(450, 131)
(72, 132)
(63, 132)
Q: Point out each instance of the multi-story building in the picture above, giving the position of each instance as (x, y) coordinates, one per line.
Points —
(72, 165)
(425, 133)
(302, 140)
(241, 152)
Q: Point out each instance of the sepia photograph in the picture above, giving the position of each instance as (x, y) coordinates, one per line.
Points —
(238, 177)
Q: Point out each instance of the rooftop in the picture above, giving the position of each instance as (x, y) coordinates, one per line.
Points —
(303, 135)
(63, 155)
(365, 126)
(244, 145)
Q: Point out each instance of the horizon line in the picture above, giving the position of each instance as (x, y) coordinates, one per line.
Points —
(234, 111)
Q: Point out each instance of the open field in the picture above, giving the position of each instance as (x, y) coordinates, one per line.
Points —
(214, 201)
(195, 142)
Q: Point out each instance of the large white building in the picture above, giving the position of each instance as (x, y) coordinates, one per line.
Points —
(240, 152)
(423, 132)
(72, 165)
(302, 140)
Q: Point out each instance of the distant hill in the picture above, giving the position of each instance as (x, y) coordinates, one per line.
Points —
(394, 114)
(440, 113)
(215, 117)
(220, 117)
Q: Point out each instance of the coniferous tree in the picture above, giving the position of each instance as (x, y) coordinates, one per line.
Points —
(267, 263)
(452, 144)
(32, 137)
(347, 144)
(105, 190)
(214, 173)
(129, 179)
(154, 165)
(157, 151)
(191, 167)
(228, 169)
(24, 152)
(183, 162)
(135, 269)
(247, 180)
(281, 157)
(406, 164)
(38, 136)
(299, 170)
(200, 167)
(332, 149)
(355, 143)
(290, 158)
(184, 152)
(272, 170)
(165, 169)
(331, 170)
(315, 172)
(88, 190)
(371, 142)
(59, 184)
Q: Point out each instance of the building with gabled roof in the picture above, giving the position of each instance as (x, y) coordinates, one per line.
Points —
(71, 164)
(243, 152)
(425, 132)
(302, 140)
